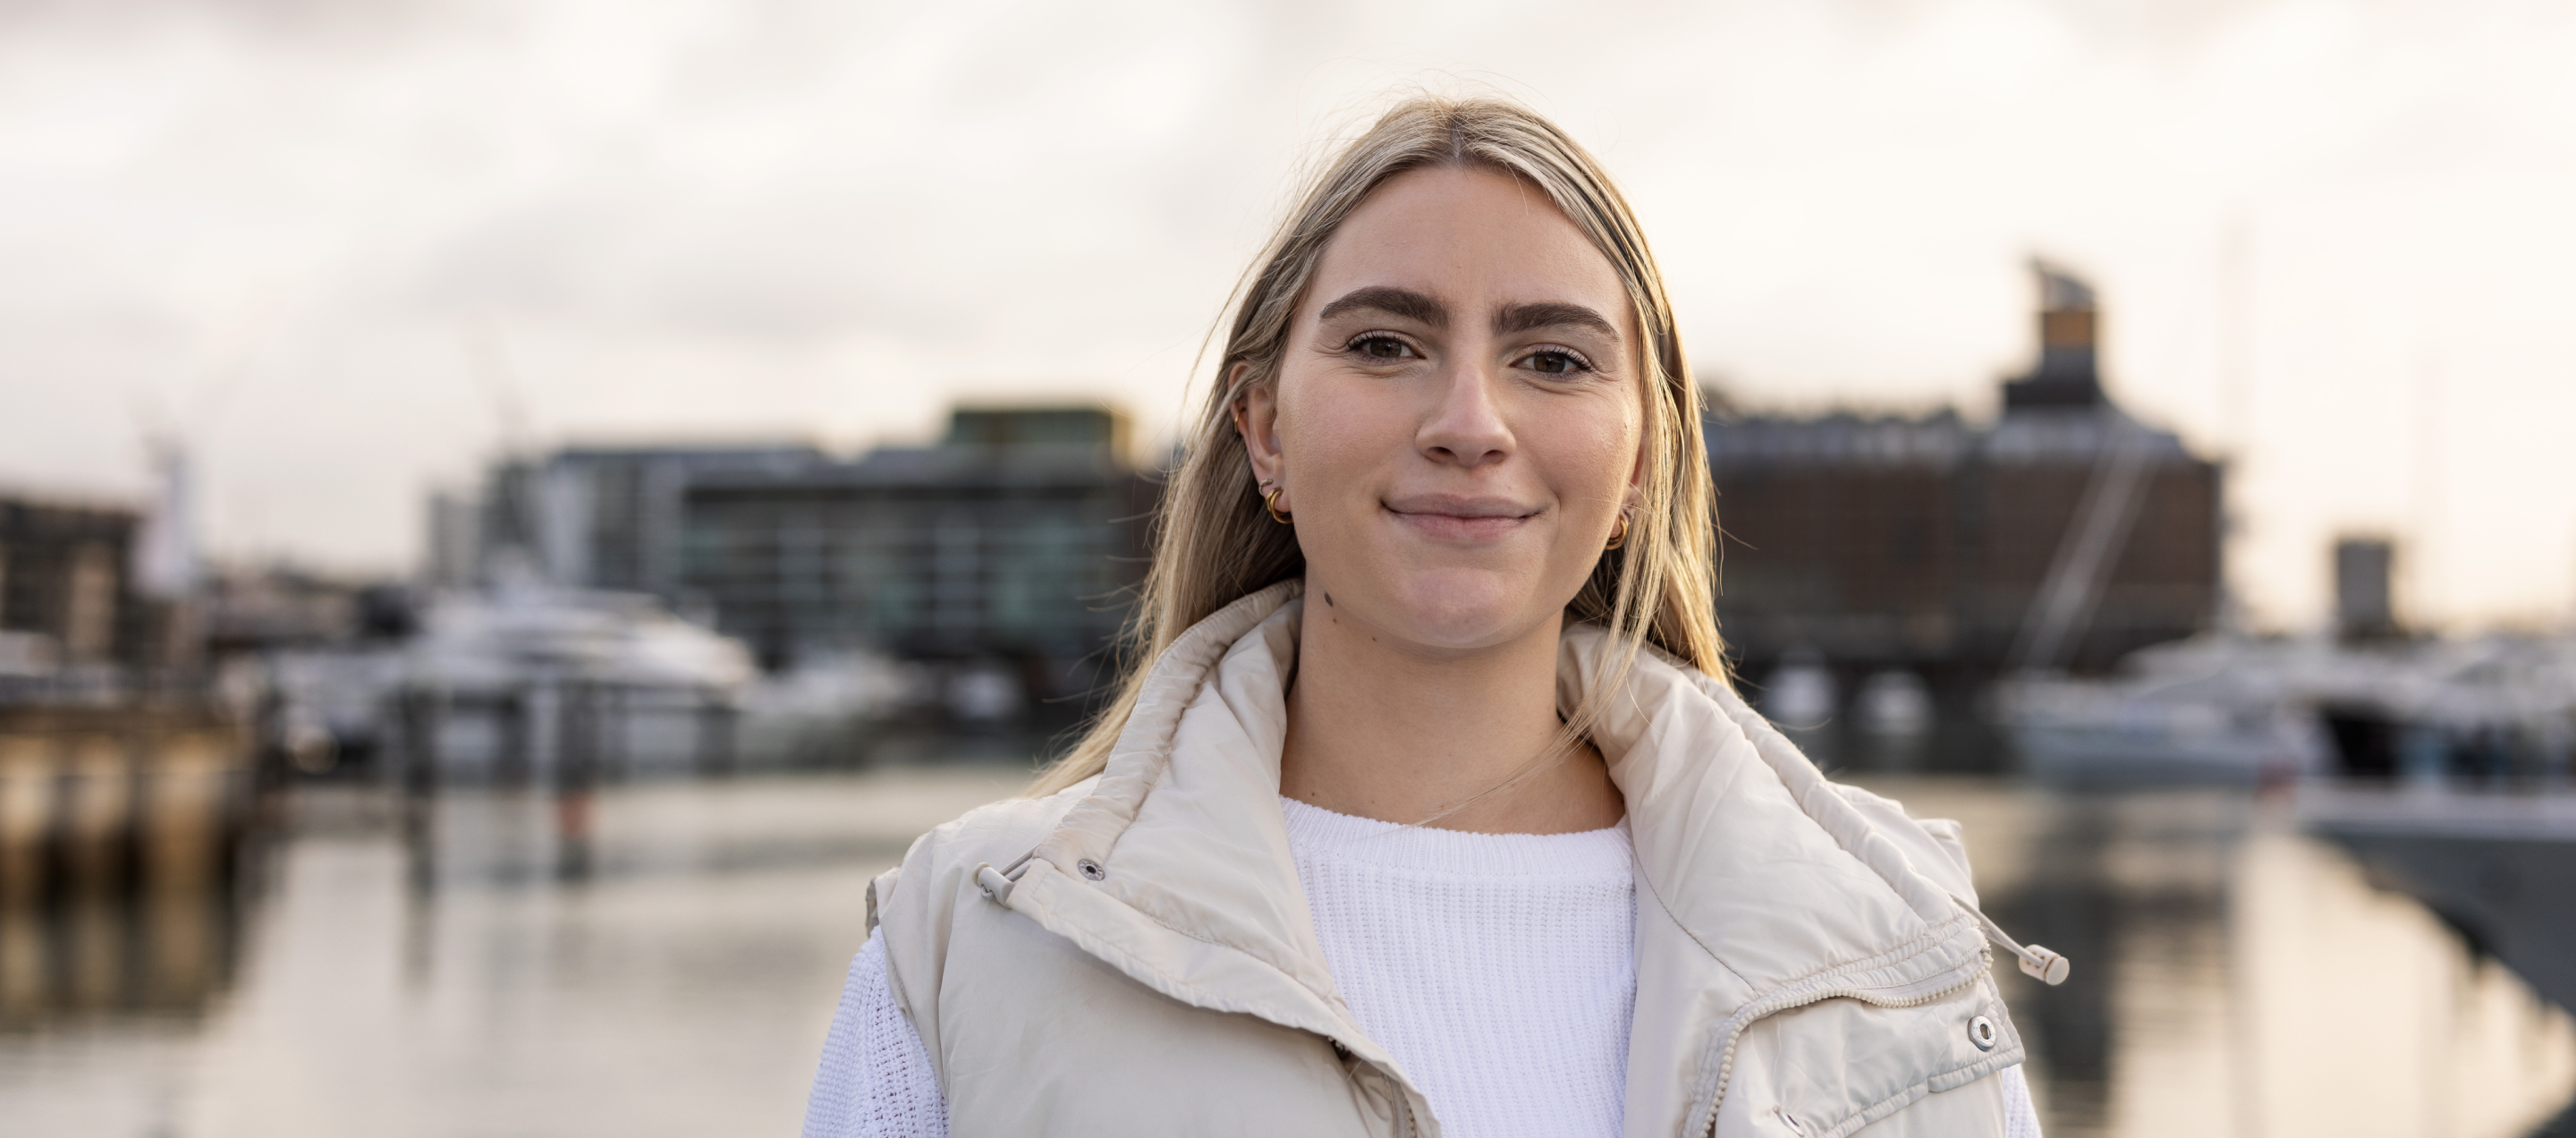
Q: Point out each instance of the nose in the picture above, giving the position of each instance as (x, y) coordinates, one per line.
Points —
(1466, 427)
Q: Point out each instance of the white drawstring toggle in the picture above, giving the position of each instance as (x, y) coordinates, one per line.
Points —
(2046, 966)
(996, 883)
(996, 886)
(2037, 961)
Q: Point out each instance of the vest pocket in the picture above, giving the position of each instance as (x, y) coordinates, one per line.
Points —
(1833, 1067)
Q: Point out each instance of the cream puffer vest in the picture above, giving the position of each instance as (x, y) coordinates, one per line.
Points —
(1134, 956)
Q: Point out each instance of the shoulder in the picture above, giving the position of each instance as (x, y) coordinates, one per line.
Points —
(1935, 847)
(929, 908)
(1009, 827)
(947, 857)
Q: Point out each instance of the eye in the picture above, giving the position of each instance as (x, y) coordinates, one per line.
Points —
(1552, 362)
(1381, 347)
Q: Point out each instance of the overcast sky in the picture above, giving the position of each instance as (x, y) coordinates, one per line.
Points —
(2332, 240)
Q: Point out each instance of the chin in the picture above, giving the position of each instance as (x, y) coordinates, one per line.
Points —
(1465, 609)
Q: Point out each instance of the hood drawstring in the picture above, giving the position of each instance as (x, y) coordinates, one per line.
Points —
(2037, 961)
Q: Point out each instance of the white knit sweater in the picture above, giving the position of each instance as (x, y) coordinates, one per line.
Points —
(1498, 969)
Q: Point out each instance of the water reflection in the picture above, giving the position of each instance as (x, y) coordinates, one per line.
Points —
(2232, 977)
(2235, 977)
(158, 954)
(458, 985)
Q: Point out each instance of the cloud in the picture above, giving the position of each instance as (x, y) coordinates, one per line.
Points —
(796, 216)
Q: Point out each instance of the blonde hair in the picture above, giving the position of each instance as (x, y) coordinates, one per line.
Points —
(1215, 543)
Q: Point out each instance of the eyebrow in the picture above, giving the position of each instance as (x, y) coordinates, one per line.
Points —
(1402, 302)
(1531, 317)
(1509, 319)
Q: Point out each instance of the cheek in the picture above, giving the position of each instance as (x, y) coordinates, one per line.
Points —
(1333, 429)
(1589, 456)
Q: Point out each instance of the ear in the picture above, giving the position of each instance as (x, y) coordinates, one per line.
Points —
(1636, 495)
(1256, 418)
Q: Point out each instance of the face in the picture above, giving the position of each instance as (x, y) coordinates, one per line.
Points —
(1457, 419)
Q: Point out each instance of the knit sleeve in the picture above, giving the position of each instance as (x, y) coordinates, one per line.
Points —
(2021, 1119)
(875, 1080)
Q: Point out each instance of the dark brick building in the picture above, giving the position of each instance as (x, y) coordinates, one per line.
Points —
(2064, 534)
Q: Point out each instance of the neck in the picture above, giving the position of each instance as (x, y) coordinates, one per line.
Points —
(1377, 729)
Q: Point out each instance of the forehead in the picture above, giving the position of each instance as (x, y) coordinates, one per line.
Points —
(1469, 236)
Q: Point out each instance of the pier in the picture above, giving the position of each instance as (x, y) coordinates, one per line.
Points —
(113, 799)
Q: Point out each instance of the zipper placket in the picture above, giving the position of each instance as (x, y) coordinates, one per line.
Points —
(1400, 1106)
(1791, 1000)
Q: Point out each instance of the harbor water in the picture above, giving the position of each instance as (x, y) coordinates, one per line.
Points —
(468, 970)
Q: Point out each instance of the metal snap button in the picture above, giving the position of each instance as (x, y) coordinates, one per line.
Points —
(1091, 869)
(1981, 1031)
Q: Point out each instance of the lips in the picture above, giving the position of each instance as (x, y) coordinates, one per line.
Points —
(1449, 517)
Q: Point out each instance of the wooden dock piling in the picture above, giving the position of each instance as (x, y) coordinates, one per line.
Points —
(104, 799)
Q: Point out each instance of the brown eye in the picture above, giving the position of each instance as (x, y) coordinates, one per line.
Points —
(1554, 363)
(1384, 348)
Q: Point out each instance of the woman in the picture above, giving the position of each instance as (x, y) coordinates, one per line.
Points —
(1428, 809)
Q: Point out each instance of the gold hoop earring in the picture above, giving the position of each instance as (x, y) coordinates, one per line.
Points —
(1620, 538)
(1270, 502)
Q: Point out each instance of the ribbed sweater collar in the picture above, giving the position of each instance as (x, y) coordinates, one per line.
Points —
(1316, 832)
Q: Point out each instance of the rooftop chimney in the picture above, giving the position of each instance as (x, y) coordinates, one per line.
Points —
(2068, 374)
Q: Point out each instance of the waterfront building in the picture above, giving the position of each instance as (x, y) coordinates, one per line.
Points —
(2062, 535)
(590, 517)
(67, 598)
(115, 769)
(1009, 544)
(1015, 538)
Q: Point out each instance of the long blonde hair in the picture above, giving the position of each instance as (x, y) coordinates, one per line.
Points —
(1214, 541)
